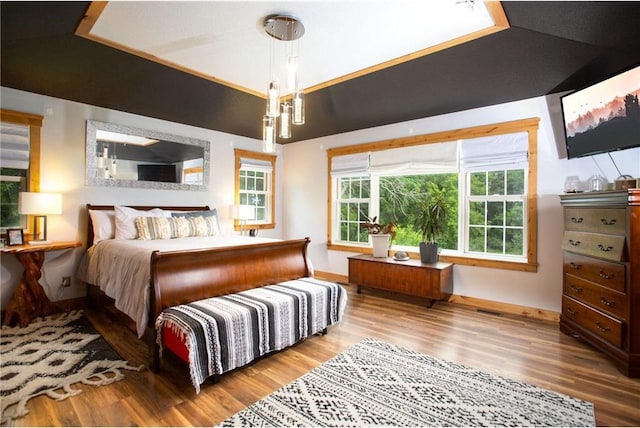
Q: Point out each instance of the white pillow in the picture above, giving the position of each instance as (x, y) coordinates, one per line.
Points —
(126, 220)
(104, 224)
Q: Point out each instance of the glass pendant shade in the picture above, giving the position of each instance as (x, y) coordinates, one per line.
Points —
(285, 121)
(273, 96)
(268, 134)
(298, 108)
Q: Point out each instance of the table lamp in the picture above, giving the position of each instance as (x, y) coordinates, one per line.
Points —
(245, 212)
(39, 205)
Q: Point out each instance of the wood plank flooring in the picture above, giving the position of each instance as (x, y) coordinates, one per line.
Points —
(523, 349)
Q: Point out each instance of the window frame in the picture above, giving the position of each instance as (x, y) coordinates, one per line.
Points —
(505, 198)
(529, 125)
(34, 122)
(246, 154)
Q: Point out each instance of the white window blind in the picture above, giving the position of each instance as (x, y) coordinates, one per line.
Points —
(498, 151)
(256, 165)
(14, 146)
(353, 165)
(423, 159)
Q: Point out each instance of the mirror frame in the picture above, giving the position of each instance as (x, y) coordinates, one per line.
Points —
(91, 162)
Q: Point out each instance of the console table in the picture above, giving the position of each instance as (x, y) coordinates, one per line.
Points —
(29, 299)
(411, 277)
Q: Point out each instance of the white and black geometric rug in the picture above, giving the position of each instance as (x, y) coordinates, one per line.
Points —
(50, 355)
(377, 384)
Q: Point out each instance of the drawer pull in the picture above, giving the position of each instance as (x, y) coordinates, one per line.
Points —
(576, 289)
(574, 243)
(601, 327)
(572, 312)
(605, 249)
(573, 265)
(605, 275)
(608, 222)
(607, 302)
(577, 220)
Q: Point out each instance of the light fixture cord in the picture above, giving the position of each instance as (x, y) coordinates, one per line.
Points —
(273, 51)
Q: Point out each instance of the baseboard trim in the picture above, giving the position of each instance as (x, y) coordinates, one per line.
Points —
(507, 308)
(482, 304)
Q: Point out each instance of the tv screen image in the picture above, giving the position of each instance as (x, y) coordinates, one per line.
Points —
(157, 172)
(603, 117)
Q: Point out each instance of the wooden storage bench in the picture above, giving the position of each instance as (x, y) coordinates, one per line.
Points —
(411, 277)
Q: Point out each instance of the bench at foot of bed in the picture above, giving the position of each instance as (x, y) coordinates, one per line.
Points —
(219, 334)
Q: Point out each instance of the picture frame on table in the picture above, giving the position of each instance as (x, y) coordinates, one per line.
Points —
(15, 237)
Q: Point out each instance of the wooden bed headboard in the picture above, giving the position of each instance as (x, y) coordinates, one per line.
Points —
(137, 207)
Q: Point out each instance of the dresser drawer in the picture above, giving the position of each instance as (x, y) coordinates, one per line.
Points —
(602, 298)
(596, 322)
(610, 221)
(609, 247)
(607, 274)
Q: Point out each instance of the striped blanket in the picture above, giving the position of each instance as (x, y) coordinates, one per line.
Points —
(226, 332)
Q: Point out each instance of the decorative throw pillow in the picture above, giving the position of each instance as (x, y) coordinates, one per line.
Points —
(203, 226)
(126, 217)
(104, 224)
(154, 228)
(181, 227)
(210, 213)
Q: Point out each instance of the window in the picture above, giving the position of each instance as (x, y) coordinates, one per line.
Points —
(353, 205)
(254, 187)
(495, 213)
(485, 174)
(19, 163)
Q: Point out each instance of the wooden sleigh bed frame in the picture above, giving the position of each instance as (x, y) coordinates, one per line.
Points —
(179, 277)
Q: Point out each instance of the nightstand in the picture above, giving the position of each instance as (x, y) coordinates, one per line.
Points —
(29, 299)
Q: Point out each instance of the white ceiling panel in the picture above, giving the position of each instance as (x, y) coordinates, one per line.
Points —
(225, 41)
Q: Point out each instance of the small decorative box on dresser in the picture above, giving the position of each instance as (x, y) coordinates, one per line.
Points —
(601, 286)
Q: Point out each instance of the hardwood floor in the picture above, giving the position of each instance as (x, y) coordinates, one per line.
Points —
(523, 349)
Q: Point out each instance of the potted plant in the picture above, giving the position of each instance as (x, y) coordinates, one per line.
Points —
(382, 235)
(431, 223)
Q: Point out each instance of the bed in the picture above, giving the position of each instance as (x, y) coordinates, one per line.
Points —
(144, 277)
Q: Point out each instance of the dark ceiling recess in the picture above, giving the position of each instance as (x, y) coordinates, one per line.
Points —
(551, 47)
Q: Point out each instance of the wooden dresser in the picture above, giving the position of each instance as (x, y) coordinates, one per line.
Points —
(601, 285)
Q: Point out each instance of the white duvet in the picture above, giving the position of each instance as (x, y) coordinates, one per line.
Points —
(121, 268)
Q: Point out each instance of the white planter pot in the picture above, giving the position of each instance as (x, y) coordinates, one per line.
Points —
(380, 244)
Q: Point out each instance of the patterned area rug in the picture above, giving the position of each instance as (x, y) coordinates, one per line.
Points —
(50, 355)
(377, 384)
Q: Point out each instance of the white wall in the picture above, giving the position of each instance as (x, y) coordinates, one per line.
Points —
(301, 190)
(305, 203)
(62, 170)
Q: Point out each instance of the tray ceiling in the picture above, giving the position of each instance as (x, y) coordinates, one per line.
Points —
(542, 48)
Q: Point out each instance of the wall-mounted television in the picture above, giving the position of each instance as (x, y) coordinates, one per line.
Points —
(157, 172)
(603, 117)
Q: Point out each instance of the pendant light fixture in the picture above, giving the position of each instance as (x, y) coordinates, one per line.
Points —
(291, 111)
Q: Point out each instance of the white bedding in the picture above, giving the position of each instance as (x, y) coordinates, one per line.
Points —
(121, 268)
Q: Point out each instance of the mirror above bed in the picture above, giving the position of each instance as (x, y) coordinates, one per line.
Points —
(124, 156)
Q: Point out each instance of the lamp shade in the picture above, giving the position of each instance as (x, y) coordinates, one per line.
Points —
(34, 203)
(246, 212)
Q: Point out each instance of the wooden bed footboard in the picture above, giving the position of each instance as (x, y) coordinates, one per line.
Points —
(179, 277)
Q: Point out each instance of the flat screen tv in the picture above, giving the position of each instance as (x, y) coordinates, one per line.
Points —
(603, 117)
(157, 172)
